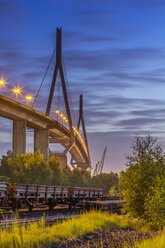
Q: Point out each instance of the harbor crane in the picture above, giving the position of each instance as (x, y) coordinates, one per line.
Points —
(100, 164)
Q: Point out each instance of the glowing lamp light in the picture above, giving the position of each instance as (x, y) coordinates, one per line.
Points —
(61, 115)
(17, 91)
(2, 82)
(28, 98)
(57, 111)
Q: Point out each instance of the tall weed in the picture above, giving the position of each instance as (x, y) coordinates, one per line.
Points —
(35, 234)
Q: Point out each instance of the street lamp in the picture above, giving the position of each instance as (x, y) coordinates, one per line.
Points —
(17, 91)
(29, 98)
(2, 82)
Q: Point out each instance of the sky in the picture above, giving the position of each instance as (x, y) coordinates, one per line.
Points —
(113, 53)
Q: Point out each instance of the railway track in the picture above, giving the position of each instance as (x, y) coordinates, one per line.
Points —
(57, 215)
(50, 217)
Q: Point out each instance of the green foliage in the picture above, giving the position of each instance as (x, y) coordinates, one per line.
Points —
(114, 190)
(56, 176)
(41, 235)
(80, 178)
(66, 176)
(31, 168)
(105, 181)
(156, 242)
(26, 168)
(4, 168)
(138, 184)
(4, 179)
(76, 178)
(155, 204)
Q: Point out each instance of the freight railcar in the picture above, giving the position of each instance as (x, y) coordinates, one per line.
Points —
(18, 196)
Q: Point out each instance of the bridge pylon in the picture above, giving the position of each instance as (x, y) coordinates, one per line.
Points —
(58, 67)
(46, 129)
(82, 121)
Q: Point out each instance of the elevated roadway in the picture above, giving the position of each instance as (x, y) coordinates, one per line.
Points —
(46, 130)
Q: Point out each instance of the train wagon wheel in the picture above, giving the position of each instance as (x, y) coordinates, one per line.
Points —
(15, 205)
(52, 204)
(30, 207)
(72, 204)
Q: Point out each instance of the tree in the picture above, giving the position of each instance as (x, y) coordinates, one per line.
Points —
(105, 181)
(4, 170)
(155, 204)
(114, 190)
(86, 178)
(76, 178)
(4, 179)
(56, 174)
(145, 166)
(66, 175)
(26, 168)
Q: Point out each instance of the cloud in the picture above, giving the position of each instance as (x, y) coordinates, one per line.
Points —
(15, 56)
(139, 122)
(149, 113)
(31, 75)
(6, 125)
(118, 146)
(138, 77)
(102, 71)
(110, 60)
(118, 101)
(79, 38)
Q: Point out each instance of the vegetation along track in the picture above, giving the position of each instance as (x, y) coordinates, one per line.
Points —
(57, 215)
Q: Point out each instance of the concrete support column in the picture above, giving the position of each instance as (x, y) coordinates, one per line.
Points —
(41, 142)
(19, 137)
(63, 162)
(62, 159)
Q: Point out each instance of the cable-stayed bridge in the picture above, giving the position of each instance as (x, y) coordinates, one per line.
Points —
(47, 129)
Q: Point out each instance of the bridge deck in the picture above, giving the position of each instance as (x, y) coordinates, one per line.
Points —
(16, 111)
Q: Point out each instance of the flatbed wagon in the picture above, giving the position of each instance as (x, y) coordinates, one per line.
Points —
(17, 195)
(113, 206)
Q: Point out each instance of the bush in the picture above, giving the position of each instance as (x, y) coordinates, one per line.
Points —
(141, 184)
(105, 181)
(26, 168)
(155, 205)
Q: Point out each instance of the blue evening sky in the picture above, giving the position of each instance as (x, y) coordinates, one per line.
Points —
(114, 54)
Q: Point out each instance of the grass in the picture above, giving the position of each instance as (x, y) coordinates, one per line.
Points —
(38, 235)
(34, 235)
(156, 242)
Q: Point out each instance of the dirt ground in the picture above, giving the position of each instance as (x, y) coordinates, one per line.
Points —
(105, 238)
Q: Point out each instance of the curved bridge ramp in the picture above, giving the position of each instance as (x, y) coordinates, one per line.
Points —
(46, 130)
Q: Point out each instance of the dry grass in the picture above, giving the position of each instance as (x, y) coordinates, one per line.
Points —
(39, 235)
(156, 242)
(34, 235)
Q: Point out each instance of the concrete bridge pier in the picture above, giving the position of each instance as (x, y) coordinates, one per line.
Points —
(41, 142)
(62, 159)
(63, 162)
(19, 137)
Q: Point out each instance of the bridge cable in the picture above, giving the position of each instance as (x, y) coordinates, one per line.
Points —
(69, 92)
(43, 78)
